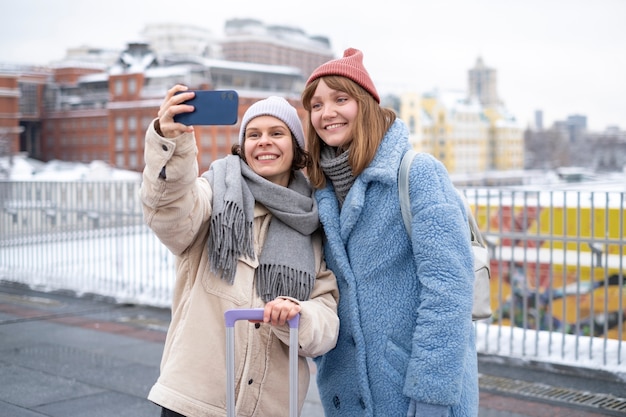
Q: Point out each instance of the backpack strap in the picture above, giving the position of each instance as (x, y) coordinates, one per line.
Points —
(403, 188)
(405, 200)
(481, 307)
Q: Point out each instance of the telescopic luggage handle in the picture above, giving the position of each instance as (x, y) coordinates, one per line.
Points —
(231, 317)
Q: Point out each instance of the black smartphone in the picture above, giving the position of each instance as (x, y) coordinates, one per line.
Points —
(212, 107)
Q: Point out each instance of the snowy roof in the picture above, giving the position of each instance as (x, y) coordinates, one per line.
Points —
(23, 168)
(182, 69)
(252, 67)
(455, 100)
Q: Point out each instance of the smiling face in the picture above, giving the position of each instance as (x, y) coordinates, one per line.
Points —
(268, 148)
(333, 113)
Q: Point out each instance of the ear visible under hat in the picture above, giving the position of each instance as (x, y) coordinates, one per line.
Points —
(349, 66)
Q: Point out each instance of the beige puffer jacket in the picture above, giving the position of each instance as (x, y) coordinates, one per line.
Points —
(193, 368)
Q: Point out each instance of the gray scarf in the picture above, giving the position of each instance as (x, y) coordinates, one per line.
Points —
(286, 264)
(338, 171)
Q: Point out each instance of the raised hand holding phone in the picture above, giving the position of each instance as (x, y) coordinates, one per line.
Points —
(211, 107)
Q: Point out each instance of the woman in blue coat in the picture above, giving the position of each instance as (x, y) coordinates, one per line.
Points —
(406, 341)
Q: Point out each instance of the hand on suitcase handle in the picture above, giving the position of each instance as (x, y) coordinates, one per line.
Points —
(231, 316)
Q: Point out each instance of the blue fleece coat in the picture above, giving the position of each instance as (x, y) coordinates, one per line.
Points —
(404, 307)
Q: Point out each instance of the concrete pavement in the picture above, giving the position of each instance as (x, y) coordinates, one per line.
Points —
(68, 356)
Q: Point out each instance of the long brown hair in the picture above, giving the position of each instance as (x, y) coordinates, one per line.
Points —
(372, 122)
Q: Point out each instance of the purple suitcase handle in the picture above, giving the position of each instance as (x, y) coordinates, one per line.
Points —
(231, 316)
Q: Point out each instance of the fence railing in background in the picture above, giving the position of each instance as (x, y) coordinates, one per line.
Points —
(557, 260)
(557, 263)
(88, 237)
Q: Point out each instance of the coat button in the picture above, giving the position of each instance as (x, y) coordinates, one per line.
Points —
(164, 147)
(250, 381)
(336, 402)
(257, 325)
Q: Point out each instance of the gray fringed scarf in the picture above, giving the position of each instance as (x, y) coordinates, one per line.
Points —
(338, 171)
(286, 264)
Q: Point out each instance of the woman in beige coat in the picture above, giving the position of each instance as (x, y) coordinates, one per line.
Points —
(245, 234)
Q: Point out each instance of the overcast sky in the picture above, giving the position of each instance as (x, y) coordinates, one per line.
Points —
(561, 56)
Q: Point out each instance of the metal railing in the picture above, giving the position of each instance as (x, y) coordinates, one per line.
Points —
(557, 260)
(87, 237)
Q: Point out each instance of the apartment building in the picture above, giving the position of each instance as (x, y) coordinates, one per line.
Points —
(104, 115)
(21, 107)
(468, 131)
(506, 140)
(250, 40)
(90, 107)
(455, 131)
(95, 106)
(483, 84)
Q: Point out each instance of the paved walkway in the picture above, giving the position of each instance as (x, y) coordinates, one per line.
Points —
(64, 356)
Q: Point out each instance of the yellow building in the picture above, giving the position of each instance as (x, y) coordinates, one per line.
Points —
(505, 150)
(412, 113)
(506, 140)
(469, 132)
(451, 127)
(464, 135)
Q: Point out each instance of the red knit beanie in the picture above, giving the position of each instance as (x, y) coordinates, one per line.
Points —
(350, 66)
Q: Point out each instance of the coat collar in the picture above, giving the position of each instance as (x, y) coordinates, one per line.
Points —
(383, 169)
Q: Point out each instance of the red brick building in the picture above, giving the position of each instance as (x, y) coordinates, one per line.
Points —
(82, 112)
(21, 108)
(250, 40)
(96, 105)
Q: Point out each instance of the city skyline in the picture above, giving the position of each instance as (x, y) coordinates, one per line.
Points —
(560, 57)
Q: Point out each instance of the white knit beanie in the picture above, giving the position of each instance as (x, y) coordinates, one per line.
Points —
(277, 107)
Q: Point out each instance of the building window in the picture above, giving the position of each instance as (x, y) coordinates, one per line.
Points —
(132, 123)
(146, 122)
(132, 86)
(119, 87)
(205, 159)
(119, 143)
(412, 124)
(119, 124)
(28, 103)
